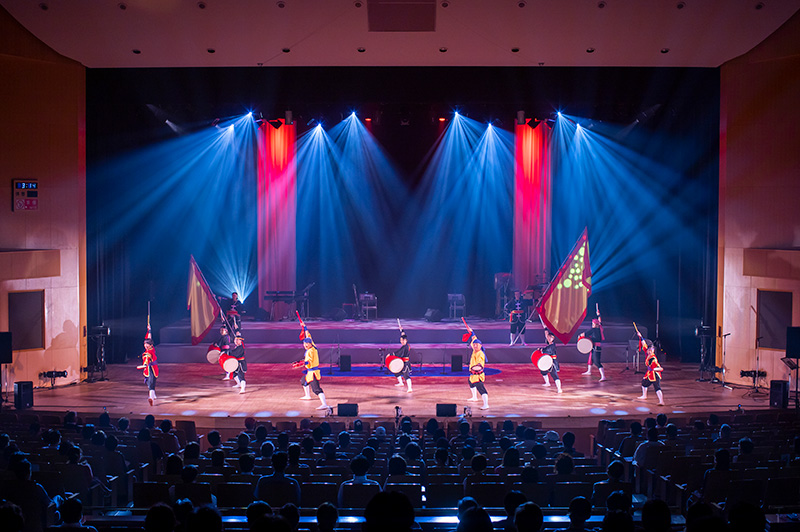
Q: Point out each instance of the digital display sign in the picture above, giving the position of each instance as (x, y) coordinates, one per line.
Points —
(26, 195)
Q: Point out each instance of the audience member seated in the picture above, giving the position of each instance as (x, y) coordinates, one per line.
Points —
(11, 517)
(568, 441)
(528, 517)
(291, 513)
(389, 511)
(413, 457)
(467, 454)
(282, 441)
(617, 522)
(656, 516)
(511, 464)
(167, 439)
(359, 466)
(327, 517)
(71, 511)
(204, 519)
(295, 468)
(191, 453)
(629, 443)
(744, 516)
(512, 500)
(564, 470)
(188, 488)
(242, 445)
(724, 436)
(256, 510)
(246, 464)
(160, 518)
(477, 476)
(475, 520)
(745, 455)
(463, 434)
(601, 490)
(641, 450)
(329, 455)
(463, 505)
(278, 489)
(398, 472)
(580, 510)
(539, 452)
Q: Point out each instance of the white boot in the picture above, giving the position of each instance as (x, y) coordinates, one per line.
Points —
(588, 370)
(547, 380)
(644, 393)
(660, 398)
(227, 377)
(323, 405)
(558, 385)
(408, 381)
(602, 374)
(511, 339)
(485, 401)
(474, 394)
(307, 391)
(152, 397)
(399, 381)
(236, 380)
(241, 390)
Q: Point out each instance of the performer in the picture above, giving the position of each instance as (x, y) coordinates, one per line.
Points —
(149, 368)
(311, 375)
(404, 353)
(477, 364)
(238, 353)
(234, 313)
(517, 310)
(595, 334)
(550, 349)
(223, 343)
(652, 375)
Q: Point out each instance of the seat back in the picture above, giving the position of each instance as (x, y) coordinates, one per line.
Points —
(358, 495)
(234, 494)
(146, 494)
(315, 493)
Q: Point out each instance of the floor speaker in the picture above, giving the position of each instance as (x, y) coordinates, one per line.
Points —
(338, 314)
(456, 362)
(433, 314)
(792, 342)
(345, 363)
(5, 348)
(779, 394)
(347, 409)
(445, 410)
(23, 394)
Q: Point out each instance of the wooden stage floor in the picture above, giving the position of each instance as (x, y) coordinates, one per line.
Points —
(273, 391)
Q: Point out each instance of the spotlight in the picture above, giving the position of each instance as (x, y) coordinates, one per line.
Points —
(520, 117)
(405, 122)
(353, 114)
(249, 114)
(311, 121)
(442, 119)
(367, 119)
(288, 119)
(53, 375)
(274, 123)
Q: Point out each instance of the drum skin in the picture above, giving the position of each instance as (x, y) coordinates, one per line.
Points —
(585, 345)
(212, 355)
(228, 363)
(395, 363)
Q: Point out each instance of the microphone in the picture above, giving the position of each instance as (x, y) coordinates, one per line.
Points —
(724, 335)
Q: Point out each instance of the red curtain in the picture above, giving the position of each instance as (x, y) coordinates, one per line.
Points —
(532, 205)
(277, 207)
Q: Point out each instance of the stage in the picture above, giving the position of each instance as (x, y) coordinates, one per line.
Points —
(197, 391)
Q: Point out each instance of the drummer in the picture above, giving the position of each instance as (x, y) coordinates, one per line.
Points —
(477, 365)
(653, 374)
(595, 334)
(311, 376)
(223, 343)
(238, 353)
(403, 354)
(550, 350)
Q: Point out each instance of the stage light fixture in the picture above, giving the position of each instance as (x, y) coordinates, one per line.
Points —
(520, 117)
(311, 121)
(442, 119)
(367, 119)
(288, 118)
(274, 123)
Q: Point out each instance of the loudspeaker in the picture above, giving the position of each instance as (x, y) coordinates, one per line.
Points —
(345, 363)
(456, 362)
(347, 409)
(5, 348)
(433, 314)
(338, 314)
(779, 394)
(23, 394)
(445, 410)
(792, 342)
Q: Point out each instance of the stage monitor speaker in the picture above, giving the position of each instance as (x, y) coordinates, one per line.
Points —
(779, 394)
(456, 363)
(345, 363)
(23, 394)
(347, 409)
(338, 314)
(445, 410)
(5, 348)
(433, 314)
(792, 342)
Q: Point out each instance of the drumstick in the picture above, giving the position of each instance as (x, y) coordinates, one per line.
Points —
(399, 326)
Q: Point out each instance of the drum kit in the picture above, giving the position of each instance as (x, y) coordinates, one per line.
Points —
(228, 362)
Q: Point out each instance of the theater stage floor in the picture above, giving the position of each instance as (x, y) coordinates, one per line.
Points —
(196, 390)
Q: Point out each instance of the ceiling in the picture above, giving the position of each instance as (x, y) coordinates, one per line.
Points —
(224, 33)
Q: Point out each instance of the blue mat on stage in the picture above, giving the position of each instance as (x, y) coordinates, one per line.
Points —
(375, 371)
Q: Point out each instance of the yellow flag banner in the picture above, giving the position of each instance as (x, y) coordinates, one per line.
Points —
(563, 306)
(202, 304)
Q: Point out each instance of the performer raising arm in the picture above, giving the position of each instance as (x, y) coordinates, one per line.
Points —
(477, 365)
(149, 368)
(310, 365)
(595, 334)
(517, 310)
(238, 353)
(652, 375)
(403, 353)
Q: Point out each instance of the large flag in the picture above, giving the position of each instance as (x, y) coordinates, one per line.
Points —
(202, 303)
(563, 306)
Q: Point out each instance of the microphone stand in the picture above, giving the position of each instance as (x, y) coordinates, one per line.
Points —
(724, 343)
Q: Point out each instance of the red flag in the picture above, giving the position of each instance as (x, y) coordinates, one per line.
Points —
(202, 303)
(563, 306)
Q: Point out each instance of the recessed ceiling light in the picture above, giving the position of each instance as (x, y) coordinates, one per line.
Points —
(601, 4)
(201, 5)
(515, 50)
(443, 49)
(680, 5)
(590, 50)
(286, 50)
(136, 51)
(522, 3)
(211, 51)
(281, 4)
(358, 3)
(361, 50)
(122, 6)
(43, 6)
(759, 6)
(665, 50)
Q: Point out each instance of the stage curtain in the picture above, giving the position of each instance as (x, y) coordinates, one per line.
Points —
(277, 208)
(532, 205)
